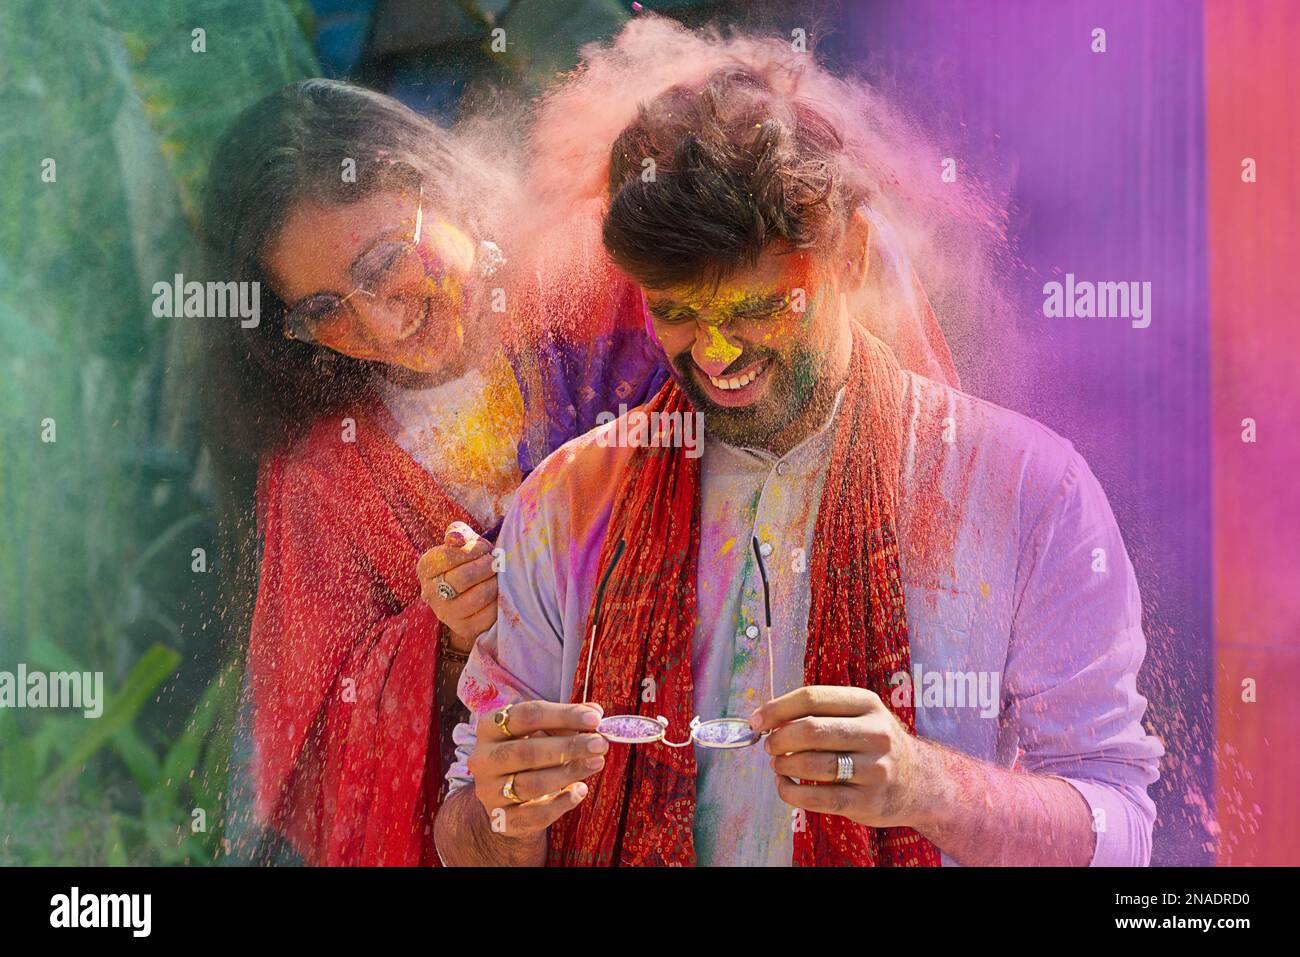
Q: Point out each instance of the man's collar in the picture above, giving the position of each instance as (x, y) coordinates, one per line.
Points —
(818, 438)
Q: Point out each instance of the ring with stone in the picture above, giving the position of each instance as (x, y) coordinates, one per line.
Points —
(508, 791)
(502, 720)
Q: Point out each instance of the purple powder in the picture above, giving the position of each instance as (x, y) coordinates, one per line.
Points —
(629, 726)
(729, 731)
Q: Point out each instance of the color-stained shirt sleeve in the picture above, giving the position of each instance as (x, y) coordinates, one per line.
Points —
(1071, 673)
(520, 657)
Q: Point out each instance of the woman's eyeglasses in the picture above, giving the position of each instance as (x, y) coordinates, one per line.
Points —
(391, 274)
(715, 733)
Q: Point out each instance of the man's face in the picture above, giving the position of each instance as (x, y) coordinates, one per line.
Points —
(761, 351)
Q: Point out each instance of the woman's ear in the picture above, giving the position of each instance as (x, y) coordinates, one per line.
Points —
(857, 249)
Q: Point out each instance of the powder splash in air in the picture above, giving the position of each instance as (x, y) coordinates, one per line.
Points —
(949, 236)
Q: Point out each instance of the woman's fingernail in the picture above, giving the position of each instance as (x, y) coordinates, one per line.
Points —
(755, 721)
(580, 790)
(595, 764)
(597, 745)
(590, 720)
(456, 538)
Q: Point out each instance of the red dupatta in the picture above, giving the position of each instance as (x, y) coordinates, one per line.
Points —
(343, 653)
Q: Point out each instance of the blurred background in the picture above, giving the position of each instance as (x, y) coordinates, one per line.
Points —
(1117, 166)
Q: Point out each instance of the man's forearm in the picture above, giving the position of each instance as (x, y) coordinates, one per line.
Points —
(981, 815)
(464, 836)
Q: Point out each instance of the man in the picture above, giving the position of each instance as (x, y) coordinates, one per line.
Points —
(899, 528)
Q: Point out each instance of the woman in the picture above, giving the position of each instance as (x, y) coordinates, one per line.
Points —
(377, 402)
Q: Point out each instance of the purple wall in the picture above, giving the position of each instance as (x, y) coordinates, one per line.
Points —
(1102, 158)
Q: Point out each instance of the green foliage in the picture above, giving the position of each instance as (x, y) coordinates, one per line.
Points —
(97, 527)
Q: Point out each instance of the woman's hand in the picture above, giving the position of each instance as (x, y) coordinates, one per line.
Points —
(464, 560)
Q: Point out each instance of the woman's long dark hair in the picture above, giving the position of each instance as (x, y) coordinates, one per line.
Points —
(326, 142)
(260, 389)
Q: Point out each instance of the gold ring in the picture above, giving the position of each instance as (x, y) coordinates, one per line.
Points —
(501, 720)
(508, 791)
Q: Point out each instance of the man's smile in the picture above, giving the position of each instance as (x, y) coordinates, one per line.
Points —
(739, 388)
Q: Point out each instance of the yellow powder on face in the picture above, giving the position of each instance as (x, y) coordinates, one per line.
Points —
(448, 286)
(719, 349)
(452, 244)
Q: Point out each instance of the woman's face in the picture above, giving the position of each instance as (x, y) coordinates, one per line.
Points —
(384, 279)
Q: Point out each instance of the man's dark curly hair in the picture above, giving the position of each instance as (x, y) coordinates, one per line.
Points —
(733, 166)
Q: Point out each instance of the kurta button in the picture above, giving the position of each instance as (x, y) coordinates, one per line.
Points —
(751, 632)
(765, 549)
(780, 468)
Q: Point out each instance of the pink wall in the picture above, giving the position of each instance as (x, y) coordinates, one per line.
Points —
(1251, 85)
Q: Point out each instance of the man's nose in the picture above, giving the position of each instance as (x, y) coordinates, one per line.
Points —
(712, 350)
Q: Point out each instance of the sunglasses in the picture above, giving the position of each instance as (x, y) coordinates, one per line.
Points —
(714, 733)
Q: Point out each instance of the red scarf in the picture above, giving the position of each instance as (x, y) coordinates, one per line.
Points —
(348, 778)
(641, 808)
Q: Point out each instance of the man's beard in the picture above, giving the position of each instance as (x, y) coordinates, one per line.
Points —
(793, 381)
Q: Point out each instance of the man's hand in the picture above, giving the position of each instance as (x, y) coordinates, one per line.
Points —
(811, 726)
(549, 750)
(465, 561)
(976, 813)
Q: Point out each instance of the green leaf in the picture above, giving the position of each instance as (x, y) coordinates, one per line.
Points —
(54, 737)
(114, 845)
(17, 762)
(138, 757)
(182, 767)
(44, 655)
(149, 672)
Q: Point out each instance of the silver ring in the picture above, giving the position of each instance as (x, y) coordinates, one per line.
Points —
(844, 768)
(445, 591)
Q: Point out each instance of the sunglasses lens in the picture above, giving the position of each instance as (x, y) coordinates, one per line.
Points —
(630, 729)
(724, 733)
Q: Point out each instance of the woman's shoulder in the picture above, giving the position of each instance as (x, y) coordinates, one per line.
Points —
(323, 455)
